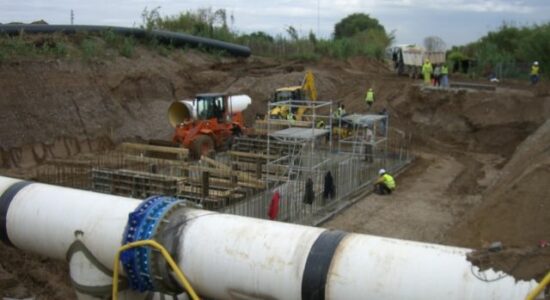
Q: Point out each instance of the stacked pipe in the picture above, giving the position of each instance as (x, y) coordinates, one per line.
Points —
(231, 257)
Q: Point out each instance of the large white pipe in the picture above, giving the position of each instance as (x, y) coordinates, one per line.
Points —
(268, 259)
(238, 103)
(233, 257)
(246, 258)
(48, 219)
(183, 110)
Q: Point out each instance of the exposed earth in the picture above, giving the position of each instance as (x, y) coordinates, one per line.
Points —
(480, 175)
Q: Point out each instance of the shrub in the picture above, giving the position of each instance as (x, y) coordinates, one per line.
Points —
(127, 47)
(89, 48)
(361, 35)
(510, 50)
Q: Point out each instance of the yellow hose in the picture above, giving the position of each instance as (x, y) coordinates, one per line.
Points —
(167, 257)
(534, 293)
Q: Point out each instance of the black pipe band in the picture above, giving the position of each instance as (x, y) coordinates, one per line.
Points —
(5, 201)
(318, 264)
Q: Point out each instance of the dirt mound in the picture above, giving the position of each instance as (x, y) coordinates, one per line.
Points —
(58, 108)
(524, 263)
(24, 275)
(490, 122)
(515, 208)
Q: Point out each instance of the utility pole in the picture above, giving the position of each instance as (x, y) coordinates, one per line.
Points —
(72, 17)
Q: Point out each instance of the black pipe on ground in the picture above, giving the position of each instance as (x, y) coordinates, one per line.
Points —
(165, 37)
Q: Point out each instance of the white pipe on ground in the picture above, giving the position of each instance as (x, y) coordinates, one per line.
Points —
(48, 219)
(233, 257)
(268, 260)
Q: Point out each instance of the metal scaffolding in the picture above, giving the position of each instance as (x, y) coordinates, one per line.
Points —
(295, 158)
(312, 131)
(367, 136)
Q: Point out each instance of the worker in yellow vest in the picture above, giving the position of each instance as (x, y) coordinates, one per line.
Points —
(320, 124)
(534, 73)
(369, 98)
(444, 75)
(340, 112)
(385, 183)
(427, 70)
(291, 118)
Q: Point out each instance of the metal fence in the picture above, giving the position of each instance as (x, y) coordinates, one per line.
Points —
(350, 172)
(241, 181)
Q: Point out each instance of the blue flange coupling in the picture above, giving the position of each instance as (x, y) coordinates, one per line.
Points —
(142, 225)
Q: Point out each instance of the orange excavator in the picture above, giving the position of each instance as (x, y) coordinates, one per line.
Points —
(209, 122)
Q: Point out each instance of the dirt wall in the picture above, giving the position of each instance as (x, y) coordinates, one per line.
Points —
(58, 107)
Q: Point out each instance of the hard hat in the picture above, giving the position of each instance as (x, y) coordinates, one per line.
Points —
(382, 171)
(370, 89)
(536, 63)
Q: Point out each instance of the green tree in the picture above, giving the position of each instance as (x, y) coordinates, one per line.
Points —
(355, 23)
(509, 49)
(258, 36)
(292, 32)
(434, 43)
(150, 18)
(312, 38)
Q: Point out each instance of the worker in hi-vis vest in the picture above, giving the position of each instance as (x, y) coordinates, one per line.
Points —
(534, 75)
(427, 70)
(444, 75)
(291, 118)
(385, 183)
(369, 98)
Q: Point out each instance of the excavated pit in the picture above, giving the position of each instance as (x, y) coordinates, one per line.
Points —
(480, 175)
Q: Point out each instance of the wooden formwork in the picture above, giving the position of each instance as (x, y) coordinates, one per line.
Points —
(208, 181)
(155, 151)
(140, 170)
(133, 183)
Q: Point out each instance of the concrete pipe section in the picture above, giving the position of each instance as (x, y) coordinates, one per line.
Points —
(230, 257)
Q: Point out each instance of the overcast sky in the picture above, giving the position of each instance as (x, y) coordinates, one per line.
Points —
(456, 21)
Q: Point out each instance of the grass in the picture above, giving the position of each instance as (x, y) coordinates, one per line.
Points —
(82, 45)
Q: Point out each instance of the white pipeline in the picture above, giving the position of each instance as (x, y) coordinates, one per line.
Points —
(233, 257)
(183, 110)
(48, 219)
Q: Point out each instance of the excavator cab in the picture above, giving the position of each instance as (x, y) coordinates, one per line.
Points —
(285, 94)
(306, 91)
(290, 93)
(211, 106)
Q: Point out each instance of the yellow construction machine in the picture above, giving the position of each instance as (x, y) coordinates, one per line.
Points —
(306, 91)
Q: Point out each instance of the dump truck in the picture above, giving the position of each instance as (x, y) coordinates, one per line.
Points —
(305, 91)
(408, 59)
(209, 122)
